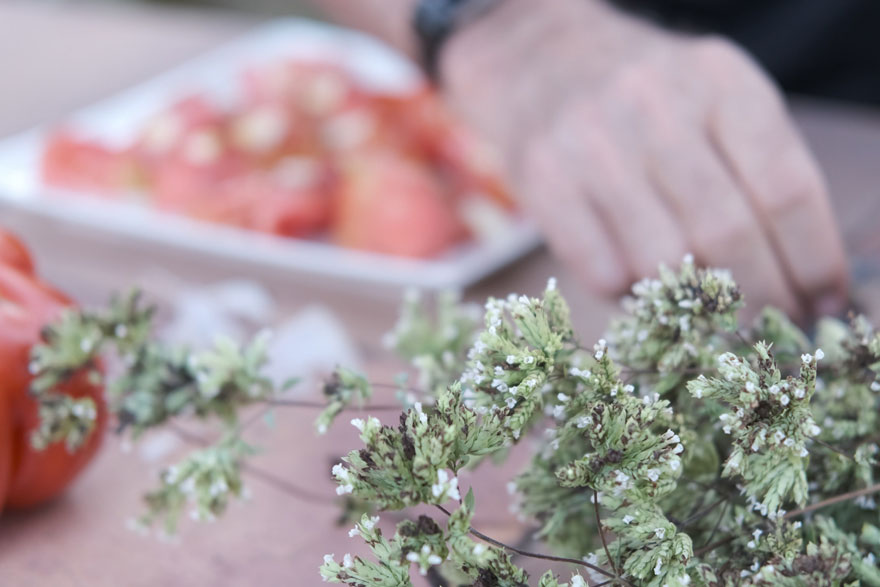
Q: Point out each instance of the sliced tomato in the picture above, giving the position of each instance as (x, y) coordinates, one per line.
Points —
(184, 181)
(73, 163)
(434, 135)
(392, 205)
(316, 88)
(14, 253)
(163, 133)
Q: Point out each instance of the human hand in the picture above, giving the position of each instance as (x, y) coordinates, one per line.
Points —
(632, 146)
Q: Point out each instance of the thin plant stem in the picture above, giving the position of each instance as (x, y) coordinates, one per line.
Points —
(717, 523)
(269, 478)
(834, 449)
(602, 533)
(297, 403)
(793, 514)
(833, 500)
(702, 513)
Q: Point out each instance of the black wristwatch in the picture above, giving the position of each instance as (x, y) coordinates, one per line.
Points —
(434, 21)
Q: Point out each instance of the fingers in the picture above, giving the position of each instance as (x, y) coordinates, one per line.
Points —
(717, 219)
(787, 190)
(639, 223)
(572, 229)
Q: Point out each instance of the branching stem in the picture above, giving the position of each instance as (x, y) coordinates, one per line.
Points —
(548, 557)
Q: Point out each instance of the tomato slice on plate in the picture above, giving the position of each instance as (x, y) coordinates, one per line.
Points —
(73, 163)
(389, 204)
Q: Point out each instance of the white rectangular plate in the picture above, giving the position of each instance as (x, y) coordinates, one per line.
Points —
(117, 120)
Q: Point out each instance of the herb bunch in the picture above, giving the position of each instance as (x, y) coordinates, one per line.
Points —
(682, 449)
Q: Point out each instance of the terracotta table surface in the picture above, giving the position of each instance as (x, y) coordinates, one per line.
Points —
(57, 57)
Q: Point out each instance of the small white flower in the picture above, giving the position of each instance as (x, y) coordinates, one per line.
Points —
(600, 348)
(354, 532)
(658, 566)
(479, 549)
(328, 559)
(627, 519)
(820, 354)
(806, 358)
(784, 399)
(423, 417)
(875, 386)
(653, 474)
(562, 397)
(511, 359)
(773, 389)
(346, 561)
(446, 486)
(551, 284)
(358, 423)
(660, 533)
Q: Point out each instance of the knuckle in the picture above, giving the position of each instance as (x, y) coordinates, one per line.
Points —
(714, 50)
(790, 195)
(635, 79)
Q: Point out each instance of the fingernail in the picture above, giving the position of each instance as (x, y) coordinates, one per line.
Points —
(831, 305)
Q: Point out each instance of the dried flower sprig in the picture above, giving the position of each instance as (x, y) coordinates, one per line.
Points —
(207, 478)
(155, 383)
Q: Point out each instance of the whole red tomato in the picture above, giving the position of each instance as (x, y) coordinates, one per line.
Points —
(27, 476)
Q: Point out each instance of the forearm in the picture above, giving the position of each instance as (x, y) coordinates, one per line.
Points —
(390, 20)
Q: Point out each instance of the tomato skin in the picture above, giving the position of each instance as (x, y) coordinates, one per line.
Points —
(29, 477)
(6, 448)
